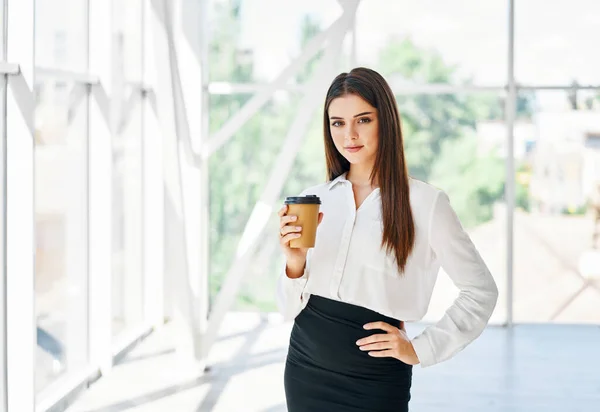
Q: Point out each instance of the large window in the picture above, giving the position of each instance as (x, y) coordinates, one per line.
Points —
(554, 42)
(235, 189)
(462, 156)
(61, 34)
(71, 82)
(415, 42)
(246, 47)
(61, 192)
(557, 222)
(104, 170)
(443, 64)
(61, 218)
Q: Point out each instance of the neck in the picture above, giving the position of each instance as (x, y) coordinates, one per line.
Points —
(360, 175)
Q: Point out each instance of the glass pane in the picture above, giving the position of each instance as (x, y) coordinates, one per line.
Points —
(127, 280)
(459, 41)
(245, 46)
(464, 157)
(238, 174)
(557, 223)
(61, 220)
(454, 142)
(556, 41)
(61, 34)
(127, 20)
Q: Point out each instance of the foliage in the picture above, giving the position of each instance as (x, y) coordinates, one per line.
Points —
(440, 144)
(439, 132)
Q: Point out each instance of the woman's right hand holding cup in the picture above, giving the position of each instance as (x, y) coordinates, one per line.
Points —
(295, 257)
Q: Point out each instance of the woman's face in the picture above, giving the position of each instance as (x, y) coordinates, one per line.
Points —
(355, 129)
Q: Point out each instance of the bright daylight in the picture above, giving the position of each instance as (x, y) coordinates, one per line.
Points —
(303, 206)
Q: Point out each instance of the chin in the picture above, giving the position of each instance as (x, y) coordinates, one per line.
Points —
(356, 160)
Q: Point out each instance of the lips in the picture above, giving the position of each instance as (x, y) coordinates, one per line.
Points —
(353, 149)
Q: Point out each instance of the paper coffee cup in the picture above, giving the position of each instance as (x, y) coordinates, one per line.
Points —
(306, 208)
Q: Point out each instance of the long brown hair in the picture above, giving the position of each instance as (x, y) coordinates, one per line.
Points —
(390, 164)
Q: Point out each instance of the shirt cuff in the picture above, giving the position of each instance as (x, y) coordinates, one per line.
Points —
(424, 350)
(295, 285)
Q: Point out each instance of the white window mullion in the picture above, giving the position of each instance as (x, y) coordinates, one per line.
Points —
(153, 189)
(20, 208)
(3, 295)
(100, 186)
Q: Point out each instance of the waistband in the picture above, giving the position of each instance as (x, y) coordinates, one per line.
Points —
(347, 312)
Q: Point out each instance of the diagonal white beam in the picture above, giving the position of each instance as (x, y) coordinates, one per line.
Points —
(24, 99)
(182, 127)
(134, 98)
(256, 102)
(181, 287)
(283, 164)
(103, 101)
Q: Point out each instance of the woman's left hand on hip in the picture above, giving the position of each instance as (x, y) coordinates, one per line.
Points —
(392, 344)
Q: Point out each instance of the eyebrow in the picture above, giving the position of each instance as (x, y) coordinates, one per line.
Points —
(356, 115)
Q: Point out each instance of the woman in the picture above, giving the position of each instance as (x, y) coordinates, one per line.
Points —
(381, 240)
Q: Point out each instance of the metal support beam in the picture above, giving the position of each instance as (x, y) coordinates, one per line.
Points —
(23, 96)
(253, 105)
(263, 208)
(20, 227)
(401, 88)
(511, 104)
(181, 297)
(133, 100)
(9, 68)
(103, 101)
(204, 210)
(3, 272)
(153, 192)
(100, 169)
(574, 86)
(188, 77)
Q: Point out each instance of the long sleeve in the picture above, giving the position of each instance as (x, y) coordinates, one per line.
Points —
(466, 319)
(289, 291)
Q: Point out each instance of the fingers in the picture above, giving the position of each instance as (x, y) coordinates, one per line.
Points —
(283, 211)
(380, 325)
(374, 338)
(382, 354)
(290, 229)
(402, 326)
(377, 346)
(286, 239)
(320, 217)
(287, 219)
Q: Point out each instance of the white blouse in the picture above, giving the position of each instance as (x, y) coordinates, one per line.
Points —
(347, 264)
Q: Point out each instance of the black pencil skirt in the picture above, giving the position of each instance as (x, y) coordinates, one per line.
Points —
(325, 370)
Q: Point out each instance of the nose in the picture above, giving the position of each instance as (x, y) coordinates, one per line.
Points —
(351, 133)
